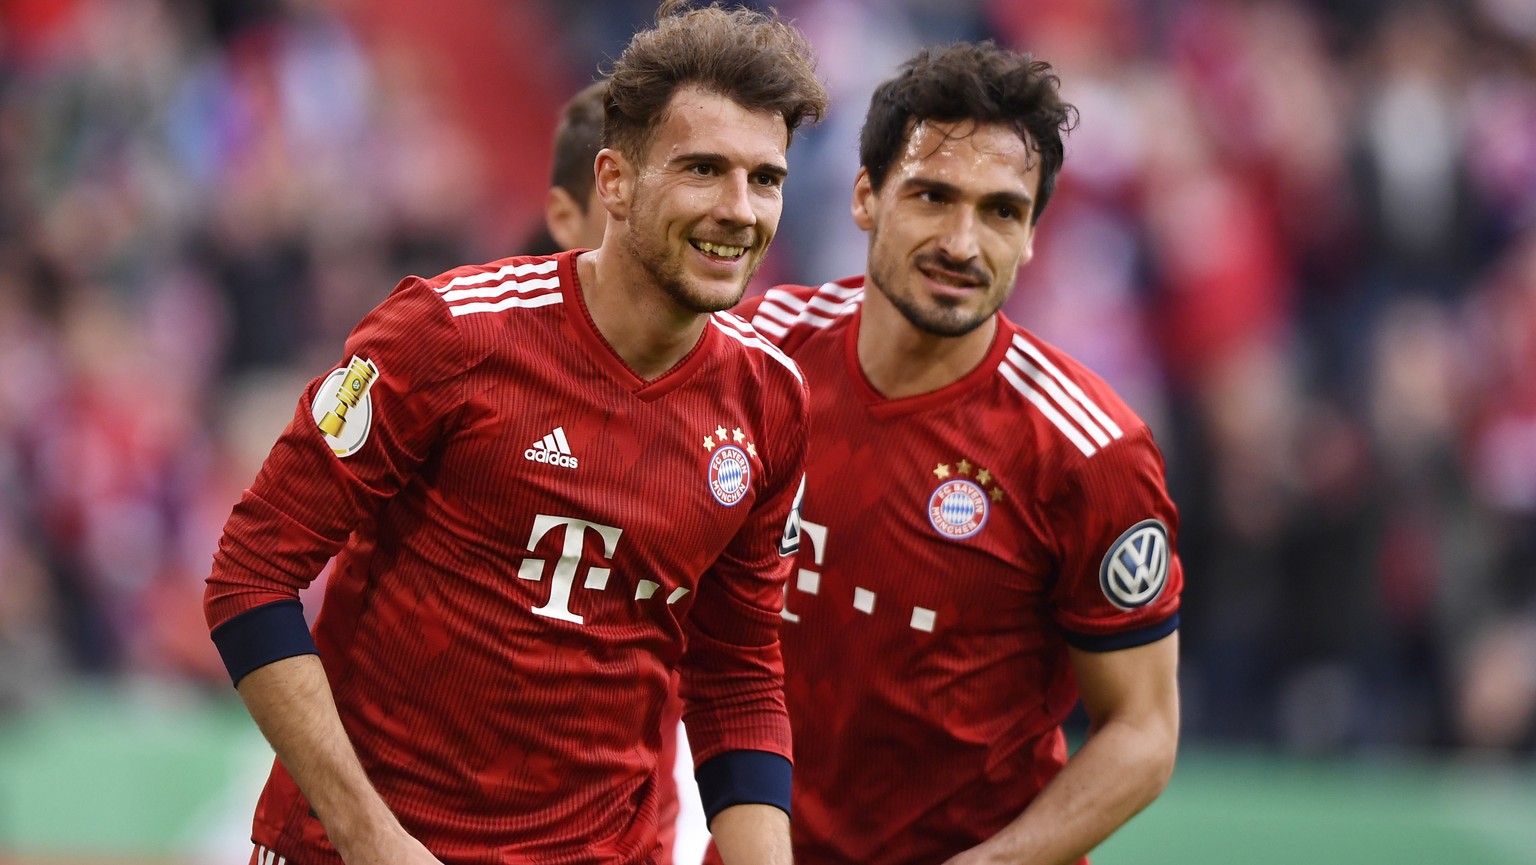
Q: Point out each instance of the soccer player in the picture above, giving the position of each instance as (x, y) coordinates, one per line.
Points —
(986, 532)
(540, 478)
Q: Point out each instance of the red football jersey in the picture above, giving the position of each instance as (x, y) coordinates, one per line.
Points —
(525, 531)
(955, 544)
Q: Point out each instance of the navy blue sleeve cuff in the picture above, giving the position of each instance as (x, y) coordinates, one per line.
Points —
(1123, 639)
(743, 778)
(257, 637)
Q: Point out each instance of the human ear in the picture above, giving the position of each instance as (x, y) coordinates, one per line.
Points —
(863, 201)
(615, 185)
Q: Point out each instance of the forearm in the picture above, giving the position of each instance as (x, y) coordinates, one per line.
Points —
(291, 702)
(752, 835)
(1117, 772)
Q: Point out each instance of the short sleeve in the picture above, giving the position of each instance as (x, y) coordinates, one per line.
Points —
(1115, 532)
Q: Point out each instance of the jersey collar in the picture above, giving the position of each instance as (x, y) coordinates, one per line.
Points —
(882, 407)
(581, 322)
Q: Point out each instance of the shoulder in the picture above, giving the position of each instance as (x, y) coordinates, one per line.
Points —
(1074, 406)
(749, 346)
(790, 314)
(500, 287)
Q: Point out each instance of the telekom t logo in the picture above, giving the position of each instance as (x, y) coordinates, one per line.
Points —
(559, 604)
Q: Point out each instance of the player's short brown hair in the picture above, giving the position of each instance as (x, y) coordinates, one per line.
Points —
(757, 60)
(577, 140)
(975, 81)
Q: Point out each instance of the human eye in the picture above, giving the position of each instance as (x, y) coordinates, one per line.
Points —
(768, 179)
(1008, 212)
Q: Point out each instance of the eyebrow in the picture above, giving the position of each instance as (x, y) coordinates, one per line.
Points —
(715, 159)
(1020, 200)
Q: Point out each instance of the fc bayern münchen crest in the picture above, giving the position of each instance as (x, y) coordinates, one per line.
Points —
(958, 508)
(730, 474)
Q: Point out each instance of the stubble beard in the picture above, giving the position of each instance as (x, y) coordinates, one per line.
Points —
(943, 318)
(647, 245)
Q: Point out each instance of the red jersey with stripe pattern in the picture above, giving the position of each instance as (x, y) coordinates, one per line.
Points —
(955, 544)
(525, 532)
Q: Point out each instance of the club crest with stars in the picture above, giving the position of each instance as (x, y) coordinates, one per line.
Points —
(730, 466)
(958, 507)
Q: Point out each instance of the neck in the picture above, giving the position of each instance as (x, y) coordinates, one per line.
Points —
(901, 361)
(645, 327)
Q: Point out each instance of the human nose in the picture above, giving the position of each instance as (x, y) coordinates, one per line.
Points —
(958, 239)
(733, 206)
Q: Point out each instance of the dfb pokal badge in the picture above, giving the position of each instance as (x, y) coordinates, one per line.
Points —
(342, 408)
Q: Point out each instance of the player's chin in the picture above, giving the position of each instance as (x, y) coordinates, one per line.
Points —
(712, 295)
(950, 320)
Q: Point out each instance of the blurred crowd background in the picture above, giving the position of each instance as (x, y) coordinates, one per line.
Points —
(1300, 237)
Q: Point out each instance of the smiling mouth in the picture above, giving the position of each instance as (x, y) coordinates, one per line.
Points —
(719, 251)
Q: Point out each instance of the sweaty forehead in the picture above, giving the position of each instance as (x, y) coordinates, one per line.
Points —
(963, 139)
(964, 144)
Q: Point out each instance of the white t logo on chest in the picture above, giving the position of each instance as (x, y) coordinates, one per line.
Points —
(559, 604)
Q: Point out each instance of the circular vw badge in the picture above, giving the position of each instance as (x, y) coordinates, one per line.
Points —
(1135, 569)
(958, 509)
(730, 474)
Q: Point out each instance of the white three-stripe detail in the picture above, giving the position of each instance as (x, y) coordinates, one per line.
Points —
(501, 288)
(1068, 384)
(1051, 388)
(506, 303)
(1044, 385)
(745, 334)
(781, 310)
(497, 290)
(499, 275)
(1047, 409)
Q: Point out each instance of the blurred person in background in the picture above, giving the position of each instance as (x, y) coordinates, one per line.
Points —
(986, 533)
(477, 694)
(574, 217)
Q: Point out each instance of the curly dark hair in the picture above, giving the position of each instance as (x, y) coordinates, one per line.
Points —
(976, 81)
(757, 60)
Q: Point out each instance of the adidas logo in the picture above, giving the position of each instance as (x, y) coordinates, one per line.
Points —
(553, 449)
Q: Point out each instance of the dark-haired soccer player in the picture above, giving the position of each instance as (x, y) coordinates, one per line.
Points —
(538, 476)
(986, 530)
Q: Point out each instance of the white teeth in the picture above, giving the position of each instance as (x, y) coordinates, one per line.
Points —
(721, 251)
